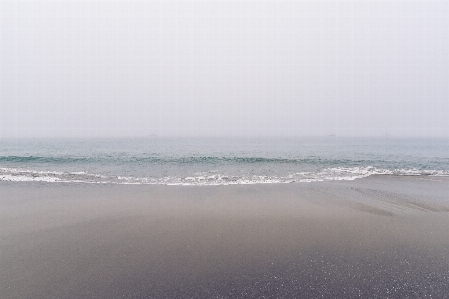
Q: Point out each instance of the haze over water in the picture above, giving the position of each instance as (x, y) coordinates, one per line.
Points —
(219, 68)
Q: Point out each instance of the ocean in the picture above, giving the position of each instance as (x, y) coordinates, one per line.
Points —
(219, 161)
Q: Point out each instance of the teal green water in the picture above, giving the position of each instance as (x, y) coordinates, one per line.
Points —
(218, 161)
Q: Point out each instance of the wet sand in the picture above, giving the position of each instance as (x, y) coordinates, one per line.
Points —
(379, 237)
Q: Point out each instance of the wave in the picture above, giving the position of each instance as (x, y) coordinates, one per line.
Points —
(26, 175)
(178, 160)
(210, 177)
(40, 159)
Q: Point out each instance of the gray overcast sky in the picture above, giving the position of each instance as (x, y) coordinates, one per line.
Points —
(136, 68)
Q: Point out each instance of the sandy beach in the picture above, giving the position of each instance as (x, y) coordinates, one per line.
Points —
(378, 237)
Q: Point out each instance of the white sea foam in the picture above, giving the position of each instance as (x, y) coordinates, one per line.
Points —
(210, 178)
(27, 175)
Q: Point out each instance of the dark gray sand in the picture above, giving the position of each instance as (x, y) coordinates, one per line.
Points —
(379, 237)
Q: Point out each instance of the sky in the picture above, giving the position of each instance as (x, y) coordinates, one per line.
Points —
(224, 68)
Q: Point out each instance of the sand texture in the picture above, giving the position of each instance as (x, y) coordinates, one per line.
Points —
(379, 237)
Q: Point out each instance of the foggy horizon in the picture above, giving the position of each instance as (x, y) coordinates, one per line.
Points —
(243, 68)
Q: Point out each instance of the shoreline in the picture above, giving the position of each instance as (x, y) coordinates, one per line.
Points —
(376, 236)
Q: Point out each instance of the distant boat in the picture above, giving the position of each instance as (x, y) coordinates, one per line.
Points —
(331, 135)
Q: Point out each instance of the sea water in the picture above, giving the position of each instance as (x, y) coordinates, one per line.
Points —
(219, 161)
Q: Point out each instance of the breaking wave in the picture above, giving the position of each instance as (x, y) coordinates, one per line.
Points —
(213, 177)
